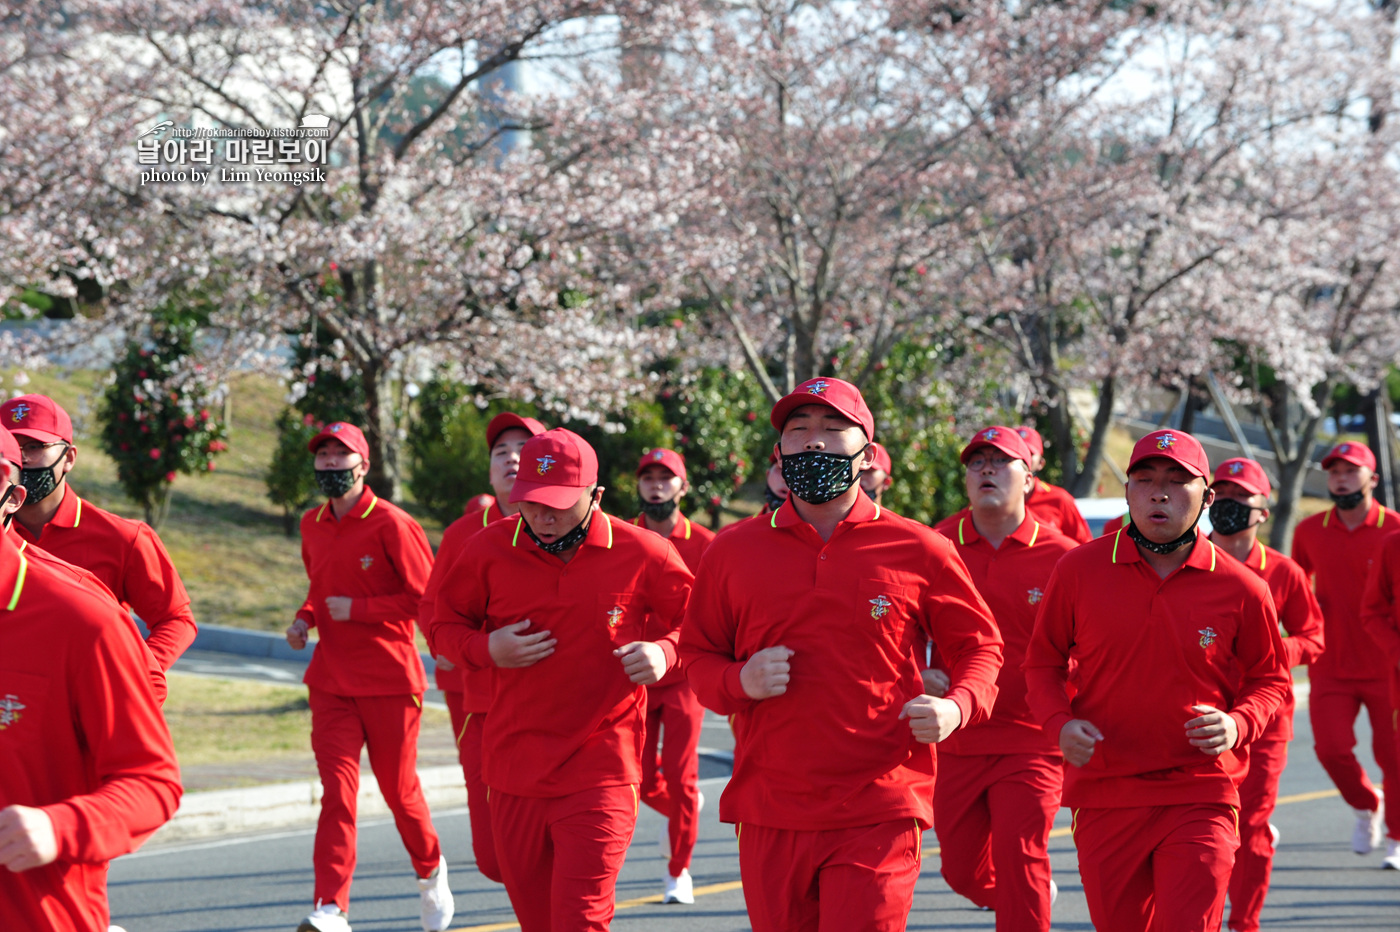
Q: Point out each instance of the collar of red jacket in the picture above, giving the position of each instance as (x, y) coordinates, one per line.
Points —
(681, 529)
(1374, 518)
(600, 533)
(1027, 532)
(70, 510)
(863, 510)
(13, 567)
(1203, 555)
(361, 509)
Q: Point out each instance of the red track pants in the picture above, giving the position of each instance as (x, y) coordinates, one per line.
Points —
(840, 880)
(993, 815)
(1158, 868)
(1249, 881)
(467, 727)
(674, 790)
(340, 727)
(560, 856)
(1333, 706)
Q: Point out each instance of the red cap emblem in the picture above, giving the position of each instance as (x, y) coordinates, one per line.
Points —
(546, 463)
(336, 428)
(1344, 448)
(817, 388)
(991, 433)
(20, 412)
(1236, 468)
(1166, 441)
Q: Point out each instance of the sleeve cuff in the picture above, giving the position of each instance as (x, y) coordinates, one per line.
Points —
(733, 686)
(478, 653)
(1242, 724)
(963, 700)
(307, 617)
(669, 649)
(1056, 724)
(65, 829)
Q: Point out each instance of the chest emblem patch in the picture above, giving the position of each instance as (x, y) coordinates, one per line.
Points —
(10, 708)
(1034, 596)
(614, 617)
(366, 562)
(879, 607)
(1208, 636)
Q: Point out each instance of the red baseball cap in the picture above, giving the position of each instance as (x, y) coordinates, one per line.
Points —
(1349, 452)
(842, 397)
(1246, 474)
(555, 467)
(9, 449)
(882, 458)
(663, 457)
(1034, 442)
(38, 417)
(1178, 446)
(1005, 439)
(348, 434)
(507, 420)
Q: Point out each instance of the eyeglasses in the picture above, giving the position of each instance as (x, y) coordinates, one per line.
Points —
(978, 463)
(34, 452)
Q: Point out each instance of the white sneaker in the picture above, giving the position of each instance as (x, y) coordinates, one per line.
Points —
(1054, 892)
(1392, 855)
(1366, 837)
(1274, 835)
(326, 918)
(679, 889)
(438, 906)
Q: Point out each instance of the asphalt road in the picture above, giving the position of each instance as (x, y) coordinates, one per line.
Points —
(264, 882)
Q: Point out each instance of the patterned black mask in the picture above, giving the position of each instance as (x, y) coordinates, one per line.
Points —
(560, 544)
(1348, 501)
(817, 477)
(1229, 516)
(658, 511)
(40, 481)
(335, 483)
(772, 499)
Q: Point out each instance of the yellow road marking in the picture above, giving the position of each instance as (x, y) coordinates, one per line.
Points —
(735, 885)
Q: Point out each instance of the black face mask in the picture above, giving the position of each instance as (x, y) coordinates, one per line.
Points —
(40, 481)
(1229, 517)
(772, 499)
(658, 511)
(335, 483)
(5, 500)
(817, 477)
(560, 544)
(1348, 501)
(1170, 546)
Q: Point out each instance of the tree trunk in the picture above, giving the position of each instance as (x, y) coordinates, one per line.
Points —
(1086, 483)
(805, 364)
(1292, 473)
(158, 507)
(381, 431)
(1062, 435)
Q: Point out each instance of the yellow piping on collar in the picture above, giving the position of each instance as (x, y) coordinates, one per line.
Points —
(1212, 554)
(687, 526)
(1263, 555)
(1328, 517)
(610, 536)
(877, 512)
(1380, 518)
(516, 536)
(1034, 535)
(773, 521)
(1117, 536)
(19, 582)
(486, 516)
(322, 512)
(78, 515)
(960, 533)
(374, 500)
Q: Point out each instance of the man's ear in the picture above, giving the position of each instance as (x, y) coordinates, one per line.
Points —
(1209, 498)
(867, 457)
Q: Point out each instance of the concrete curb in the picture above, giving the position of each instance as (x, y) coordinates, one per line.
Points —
(278, 805)
(246, 643)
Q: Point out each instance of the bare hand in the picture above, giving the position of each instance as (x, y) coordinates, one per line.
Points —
(443, 663)
(936, 682)
(296, 634)
(767, 672)
(642, 661)
(26, 838)
(1214, 732)
(931, 718)
(339, 607)
(512, 649)
(1077, 741)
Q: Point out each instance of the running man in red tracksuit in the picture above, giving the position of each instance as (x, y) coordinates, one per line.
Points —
(1242, 504)
(126, 555)
(87, 768)
(674, 790)
(368, 563)
(1380, 614)
(876, 480)
(468, 692)
(1179, 661)
(1337, 548)
(557, 602)
(1050, 503)
(802, 626)
(999, 782)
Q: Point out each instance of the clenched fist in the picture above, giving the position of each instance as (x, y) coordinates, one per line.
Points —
(766, 673)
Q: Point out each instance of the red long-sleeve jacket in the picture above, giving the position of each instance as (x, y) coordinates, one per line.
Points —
(81, 736)
(1148, 649)
(1380, 605)
(474, 685)
(572, 721)
(379, 557)
(131, 561)
(832, 752)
